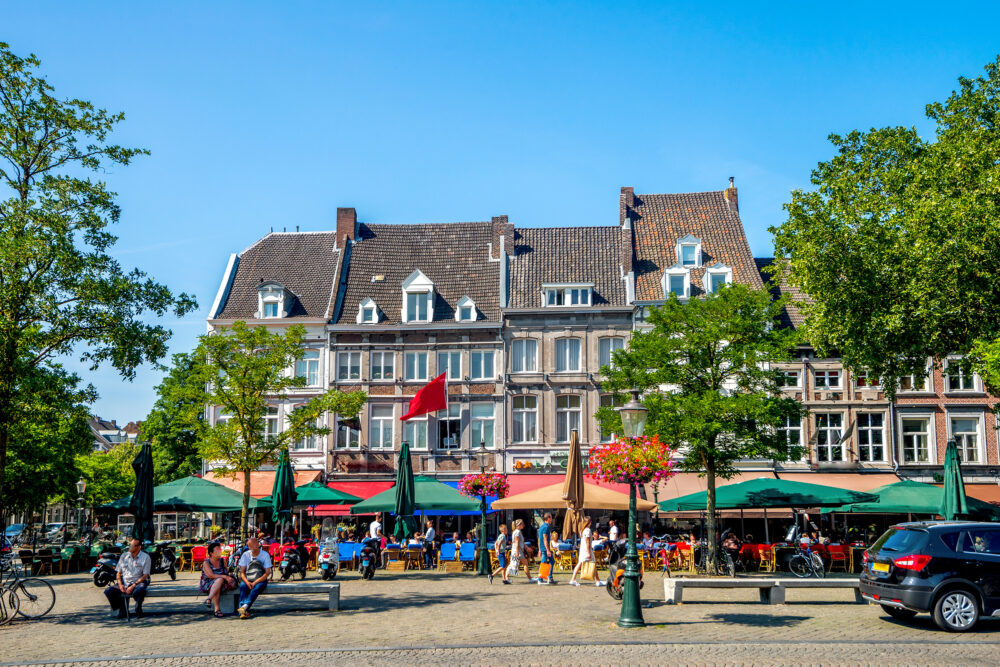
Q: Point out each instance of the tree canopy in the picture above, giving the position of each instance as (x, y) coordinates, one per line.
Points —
(898, 246)
(60, 289)
(704, 371)
(176, 424)
(249, 367)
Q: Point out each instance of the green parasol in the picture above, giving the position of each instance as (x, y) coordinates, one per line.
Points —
(913, 497)
(283, 492)
(768, 492)
(317, 493)
(404, 506)
(953, 501)
(428, 494)
(191, 494)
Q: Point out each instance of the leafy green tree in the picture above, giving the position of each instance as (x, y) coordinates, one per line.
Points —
(109, 474)
(250, 369)
(59, 288)
(48, 432)
(704, 370)
(898, 246)
(176, 423)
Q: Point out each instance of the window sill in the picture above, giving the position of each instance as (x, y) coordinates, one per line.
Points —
(348, 381)
(916, 394)
(966, 393)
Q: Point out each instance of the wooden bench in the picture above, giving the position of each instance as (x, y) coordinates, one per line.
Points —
(228, 600)
(772, 591)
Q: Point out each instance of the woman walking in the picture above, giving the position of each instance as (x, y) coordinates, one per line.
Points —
(586, 552)
(518, 556)
(500, 548)
(214, 578)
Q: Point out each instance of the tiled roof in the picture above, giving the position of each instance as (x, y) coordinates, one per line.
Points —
(303, 262)
(454, 256)
(660, 220)
(566, 255)
(792, 316)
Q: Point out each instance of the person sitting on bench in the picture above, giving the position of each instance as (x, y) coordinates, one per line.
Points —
(255, 568)
(132, 574)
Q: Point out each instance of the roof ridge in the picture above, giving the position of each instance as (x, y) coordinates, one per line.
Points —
(677, 194)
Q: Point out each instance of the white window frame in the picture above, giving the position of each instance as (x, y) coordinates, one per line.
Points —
(308, 362)
(980, 419)
(414, 430)
(868, 384)
(929, 434)
(444, 364)
(381, 355)
(793, 425)
(688, 240)
(381, 424)
(345, 435)
(680, 272)
(881, 431)
(466, 302)
(308, 443)
(521, 355)
(719, 269)
(828, 431)
(417, 284)
(272, 294)
(368, 306)
(973, 379)
(478, 369)
(452, 414)
(926, 387)
(528, 418)
(482, 422)
(272, 421)
(416, 366)
(568, 417)
(351, 355)
(567, 356)
(610, 341)
(567, 295)
(607, 401)
(786, 375)
(826, 374)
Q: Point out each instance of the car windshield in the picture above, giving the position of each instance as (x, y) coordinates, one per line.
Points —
(900, 539)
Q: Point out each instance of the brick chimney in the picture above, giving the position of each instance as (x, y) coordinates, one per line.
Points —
(347, 223)
(501, 229)
(625, 202)
(731, 198)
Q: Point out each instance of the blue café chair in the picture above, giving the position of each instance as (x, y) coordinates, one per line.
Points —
(446, 553)
(467, 552)
(346, 554)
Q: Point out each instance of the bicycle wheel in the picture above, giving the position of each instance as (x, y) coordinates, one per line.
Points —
(8, 606)
(817, 566)
(37, 597)
(727, 566)
(799, 566)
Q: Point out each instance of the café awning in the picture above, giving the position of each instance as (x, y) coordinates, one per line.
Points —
(550, 497)
(191, 494)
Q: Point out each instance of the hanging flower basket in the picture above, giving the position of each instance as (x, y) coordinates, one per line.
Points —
(480, 484)
(632, 461)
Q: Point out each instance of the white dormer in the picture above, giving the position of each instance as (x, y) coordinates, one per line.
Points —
(689, 252)
(418, 298)
(717, 276)
(466, 310)
(368, 312)
(567, 294)
(676, 280)
(273, 301)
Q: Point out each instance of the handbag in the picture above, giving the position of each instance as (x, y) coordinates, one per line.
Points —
(589, 571)
(545, 570)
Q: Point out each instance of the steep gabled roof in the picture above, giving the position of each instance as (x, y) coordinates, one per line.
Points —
(454, 256)
(660, 220)
(792, 316)
(304, 263)
(546, 255)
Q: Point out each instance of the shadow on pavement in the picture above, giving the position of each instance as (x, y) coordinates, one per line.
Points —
(376, 603)
(758, 620)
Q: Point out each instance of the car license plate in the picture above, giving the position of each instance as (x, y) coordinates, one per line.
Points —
(326, 566)
(880, 567)
(364, 563)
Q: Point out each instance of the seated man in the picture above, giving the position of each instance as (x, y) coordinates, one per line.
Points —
(132, 578)
(255, 569)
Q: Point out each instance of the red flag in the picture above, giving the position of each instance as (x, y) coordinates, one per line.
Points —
(430, 398)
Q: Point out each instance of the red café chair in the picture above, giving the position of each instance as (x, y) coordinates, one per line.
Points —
(275, 550)
(198, 556)
(838, 557)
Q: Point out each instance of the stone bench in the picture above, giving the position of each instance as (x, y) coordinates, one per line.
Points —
(772, 591)
(228, 600)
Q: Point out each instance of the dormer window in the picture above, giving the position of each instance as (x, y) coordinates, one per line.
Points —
(273, 301)
(689, 252)
(567, 295)
(418, 298)
(368, 312)
(677, 281)
(466, 310)
(717, 277)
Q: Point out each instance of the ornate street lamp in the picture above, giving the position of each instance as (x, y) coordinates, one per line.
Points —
(482, 554)
(633, 416)
(81, 488)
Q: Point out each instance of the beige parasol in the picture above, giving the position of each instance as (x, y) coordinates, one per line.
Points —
(573, 488)
(550, 497)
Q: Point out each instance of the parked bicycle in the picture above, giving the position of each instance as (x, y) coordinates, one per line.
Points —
(804, 562)
(35, 596)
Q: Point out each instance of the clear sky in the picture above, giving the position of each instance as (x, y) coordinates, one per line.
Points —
(266, 114)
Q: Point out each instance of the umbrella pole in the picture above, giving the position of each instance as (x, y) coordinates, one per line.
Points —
(767, 534)
(743, 529)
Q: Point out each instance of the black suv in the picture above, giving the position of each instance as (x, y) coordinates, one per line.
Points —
(948, 568)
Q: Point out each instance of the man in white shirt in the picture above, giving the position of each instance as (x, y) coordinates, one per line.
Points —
(429, 545)
(255, 568)
(132, 578)
(612, 531)
(375, 528)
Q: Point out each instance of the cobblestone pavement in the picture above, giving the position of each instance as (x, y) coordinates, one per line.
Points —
(432, 618)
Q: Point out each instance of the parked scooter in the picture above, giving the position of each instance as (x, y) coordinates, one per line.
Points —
(164, 559)
(294, 558)
(370, 555)
(616, 569)
(104, 570)
(329, 559)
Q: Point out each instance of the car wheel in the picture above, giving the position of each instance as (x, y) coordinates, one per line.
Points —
(897, 613)
(956, 611)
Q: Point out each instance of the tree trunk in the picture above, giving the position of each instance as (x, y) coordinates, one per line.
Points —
(246, 507)
(712, 555)
(6, 419)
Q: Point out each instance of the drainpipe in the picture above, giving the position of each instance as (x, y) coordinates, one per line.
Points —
(892, 437)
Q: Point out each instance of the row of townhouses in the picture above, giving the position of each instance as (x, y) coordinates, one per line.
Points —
(521, 321)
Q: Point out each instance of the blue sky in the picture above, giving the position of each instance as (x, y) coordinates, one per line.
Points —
(263, 115)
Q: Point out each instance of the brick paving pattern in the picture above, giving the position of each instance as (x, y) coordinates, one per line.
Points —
(431, 618)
